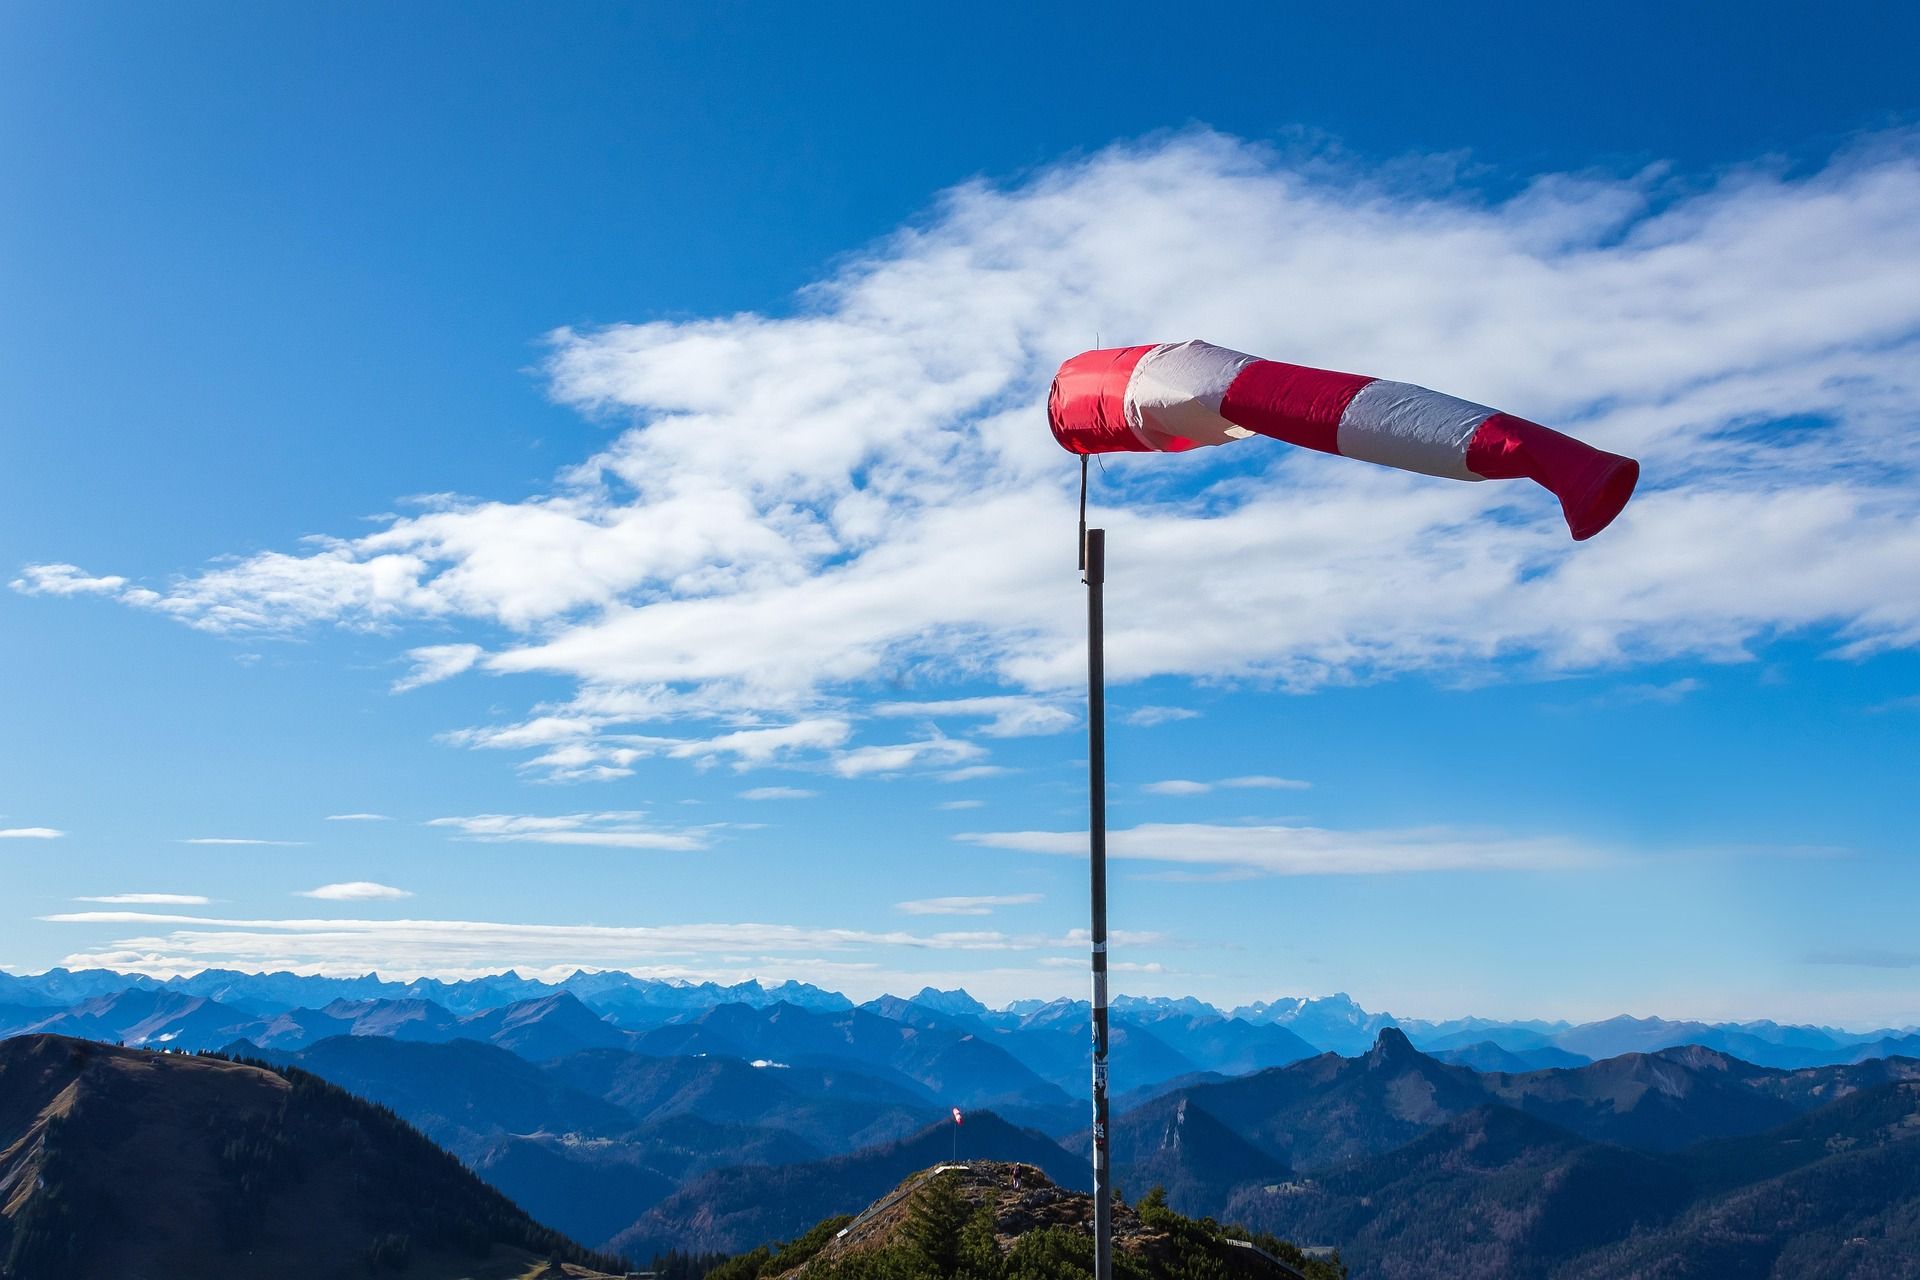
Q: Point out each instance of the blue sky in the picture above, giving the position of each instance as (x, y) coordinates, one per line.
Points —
(574, 435)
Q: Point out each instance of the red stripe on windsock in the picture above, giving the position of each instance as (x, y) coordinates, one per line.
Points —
(1291, 402)
(1087, 407)
(1592, 484)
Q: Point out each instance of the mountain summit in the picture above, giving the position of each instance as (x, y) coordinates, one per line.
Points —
(994, 1220)
(121, 1162)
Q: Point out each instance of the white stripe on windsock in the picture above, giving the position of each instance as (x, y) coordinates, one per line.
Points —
(1175, 394)
(1397, 424)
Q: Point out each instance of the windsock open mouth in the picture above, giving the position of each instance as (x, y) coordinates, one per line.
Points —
(1593, 485)
(1186, 395)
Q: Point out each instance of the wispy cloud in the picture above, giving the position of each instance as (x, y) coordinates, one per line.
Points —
(354, 891)
(30, 833)
(972, 773)
(148, 899)
(1250, 782)
(778, 793)
(176, 943)
(1113, 966)
(1148, 716)
(719, 572)
(898, 756)
(749, 747)
(358, 817)
(1303, 851)
(1671, 692)
(617, 830)
(959, 804)
(1007, 716)
(965, 906)
(436, 662)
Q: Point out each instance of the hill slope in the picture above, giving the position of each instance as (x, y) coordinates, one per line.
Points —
(991, 1220)
(264, 1174)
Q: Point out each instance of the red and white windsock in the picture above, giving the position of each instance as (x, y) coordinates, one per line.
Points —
(1182, 395)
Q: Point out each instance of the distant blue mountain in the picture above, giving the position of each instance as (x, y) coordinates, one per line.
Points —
(1486, 1056)
(1167, 1036)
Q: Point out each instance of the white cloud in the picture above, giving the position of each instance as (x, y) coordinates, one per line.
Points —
(576, 744)
(1176, 787)
(894, 757)
(436, 662)
(242, 840)
(1148, 716)
(354, 891)
(358, 817)
(619, 830)
(965, 906)
(864, 489)
(778, 793)
(1300, 851)
(749, 747)
(30, 833)
(1008, 716)
(959, 804)
(64, 580)
(149, 899)
(1113, 966)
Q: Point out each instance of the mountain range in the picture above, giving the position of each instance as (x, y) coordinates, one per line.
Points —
(629, 1114)
(1174, 1036)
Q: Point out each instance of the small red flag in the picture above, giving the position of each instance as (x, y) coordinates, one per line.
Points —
(956, 1115)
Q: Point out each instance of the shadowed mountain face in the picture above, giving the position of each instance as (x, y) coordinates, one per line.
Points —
(833, 1108)
(959, 1067)
(1485, 1056)
(545, 1028)
(463, 1094)
(1491, 1193)
(735, 1209)
(1175, 1145)
(1835, 1193)
(1496, 1194)
(591, 1140)
(123, 1162)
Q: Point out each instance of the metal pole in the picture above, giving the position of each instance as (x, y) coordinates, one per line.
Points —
(1096, 565)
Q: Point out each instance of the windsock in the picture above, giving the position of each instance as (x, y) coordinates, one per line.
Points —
(1182, 395)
